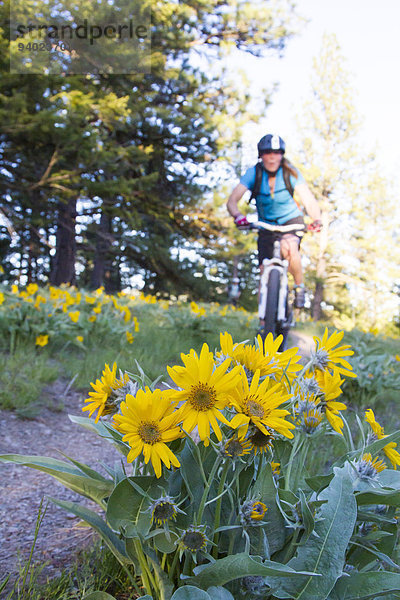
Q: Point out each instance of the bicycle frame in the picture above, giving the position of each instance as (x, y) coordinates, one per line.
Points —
(282, 315)
(281, 265)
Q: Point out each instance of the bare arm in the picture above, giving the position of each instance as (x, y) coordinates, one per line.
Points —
(236, 195)
(309, 201)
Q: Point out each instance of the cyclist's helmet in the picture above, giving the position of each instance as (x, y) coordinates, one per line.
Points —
(270, 142)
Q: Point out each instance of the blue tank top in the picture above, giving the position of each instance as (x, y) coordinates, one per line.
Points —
(279, 207)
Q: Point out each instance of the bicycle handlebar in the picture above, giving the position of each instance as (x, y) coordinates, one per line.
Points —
(298, 227)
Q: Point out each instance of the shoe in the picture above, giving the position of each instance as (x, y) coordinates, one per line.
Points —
(299, 297)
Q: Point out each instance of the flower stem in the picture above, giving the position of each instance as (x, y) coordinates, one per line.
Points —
(295, 448)
(207, 489)
(217, 518)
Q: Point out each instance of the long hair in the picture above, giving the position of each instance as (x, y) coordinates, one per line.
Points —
(287, 165)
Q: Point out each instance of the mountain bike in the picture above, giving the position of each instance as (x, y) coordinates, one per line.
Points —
(274, 307)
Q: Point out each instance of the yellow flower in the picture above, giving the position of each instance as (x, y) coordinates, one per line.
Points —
(127, 314)
(42, 340)
(285, 361)
(97, 309)
(32, 288)
(259, 441)
(205, 391)
(102, 390)
(237, 447)
(397, 357)
(276, 468)
(14, 289)
(258, 511)
(90, 299)
(1, 298)
(92, 318)
(148, 422)
(389, 449)
(39, 300)
(267, 359)
(227, 345)
(74, 316)
(2, 270)
(326, 356)
(136, 324)
(376, 464)
(79, 338)
(129, 337)
(258, 403)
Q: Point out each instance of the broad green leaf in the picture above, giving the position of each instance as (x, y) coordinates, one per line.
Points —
(376, 446)
(307, 517)
(240, 565)
(319, 482)
(86, 470)
(165, 545)
(126, 503)
(89, 516)
(361, 586)
(379, 496)
(324, 554)
(67, 474)
(188, 592)
(265, 488)
(219, 593)
(390, 478)
(108, 433)
(98, 596)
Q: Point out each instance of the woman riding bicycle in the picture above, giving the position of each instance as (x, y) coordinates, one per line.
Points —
(276, 182)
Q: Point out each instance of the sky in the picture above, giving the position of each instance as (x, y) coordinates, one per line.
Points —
(368, 33)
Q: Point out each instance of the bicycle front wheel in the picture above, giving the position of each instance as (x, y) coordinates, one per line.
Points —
(271, 310)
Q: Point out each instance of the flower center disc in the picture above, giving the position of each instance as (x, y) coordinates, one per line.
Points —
(194, 540)
(202, 397)
(149, 432)
(254, 409)
(260, 440)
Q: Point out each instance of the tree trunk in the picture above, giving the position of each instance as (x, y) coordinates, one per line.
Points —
(316, 309)
(101, 275)
(63, 270)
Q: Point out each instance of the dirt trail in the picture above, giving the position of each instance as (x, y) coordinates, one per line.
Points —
(23, 488)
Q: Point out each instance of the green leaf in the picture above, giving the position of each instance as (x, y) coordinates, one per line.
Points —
(188, 592)
(319, 482)
(240, 565)
(99, 596)
(125, 504)
(275, 528)
(165, 545)
(113, 542)
(324, 554)
(307, 518)
(389, 497)
(86, 470)
(67, 474)
(362, 586)
(376, 446)
(390, 478)
(108, 433)
(219, 593)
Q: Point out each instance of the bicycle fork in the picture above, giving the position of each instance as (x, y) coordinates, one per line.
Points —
(281, 266)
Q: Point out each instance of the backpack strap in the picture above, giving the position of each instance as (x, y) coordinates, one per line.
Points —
(257, 182)
(288, 183)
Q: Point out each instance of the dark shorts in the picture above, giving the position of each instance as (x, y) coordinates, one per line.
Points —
(265, 242)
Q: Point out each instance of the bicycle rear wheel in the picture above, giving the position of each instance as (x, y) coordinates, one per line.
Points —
(271, 310)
